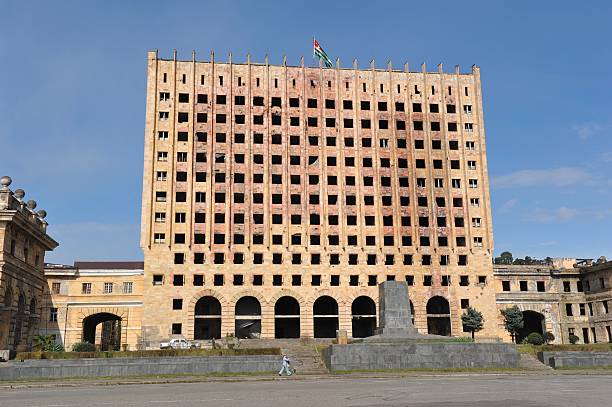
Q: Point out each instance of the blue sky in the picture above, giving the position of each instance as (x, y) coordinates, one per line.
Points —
(72, 82)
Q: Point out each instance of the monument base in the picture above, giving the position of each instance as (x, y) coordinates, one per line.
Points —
(401, 335)
(415, 354)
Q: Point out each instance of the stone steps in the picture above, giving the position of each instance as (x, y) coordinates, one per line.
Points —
(303, 352)
(530, 362)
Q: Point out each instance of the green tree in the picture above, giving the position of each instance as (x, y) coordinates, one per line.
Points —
(504, 258)
(513, 320)
(473, 320)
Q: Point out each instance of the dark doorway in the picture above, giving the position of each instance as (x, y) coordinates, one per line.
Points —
(19, 320)
(532, 322)
(286, 318)
(585, 335)
(325, 316)
(438, 316)
(248, 318)
(110, 335)
(207, 318)
(363, 311)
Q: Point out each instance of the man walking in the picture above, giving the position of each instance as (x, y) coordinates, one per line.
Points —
(286, 366)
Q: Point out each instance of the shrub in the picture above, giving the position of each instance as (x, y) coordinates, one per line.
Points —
(573, 339)
(462, 339)
(149, 353)
(46, 343)
(548, 337)
(83, 347)
(534, 338)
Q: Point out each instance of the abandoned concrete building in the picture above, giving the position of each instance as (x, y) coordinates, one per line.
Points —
(23, 243)
(276, 198)
(567, 297)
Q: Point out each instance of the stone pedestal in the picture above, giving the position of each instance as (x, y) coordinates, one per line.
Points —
(341, 337)
(394, 310)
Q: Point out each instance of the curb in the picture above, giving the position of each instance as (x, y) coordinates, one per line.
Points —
(330, 376)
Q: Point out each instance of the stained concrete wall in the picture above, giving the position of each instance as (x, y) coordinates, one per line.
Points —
(137, 366)
(571, 359)
(417, 355)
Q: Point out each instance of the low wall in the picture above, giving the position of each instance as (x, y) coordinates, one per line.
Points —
(420, 355)
(137, 366)
(573, 359)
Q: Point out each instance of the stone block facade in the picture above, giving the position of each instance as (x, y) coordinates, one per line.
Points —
(565, 298)
(23, 244)
(96, 302)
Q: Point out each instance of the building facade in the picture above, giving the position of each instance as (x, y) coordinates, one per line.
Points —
(102, 303)
(277, 198)
(567, 297)
(95, 302)
(23, 243)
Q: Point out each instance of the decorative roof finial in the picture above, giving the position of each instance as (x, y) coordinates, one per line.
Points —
(5, 181)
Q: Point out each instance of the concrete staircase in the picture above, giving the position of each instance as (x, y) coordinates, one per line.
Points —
(303, 353)
(530, 362)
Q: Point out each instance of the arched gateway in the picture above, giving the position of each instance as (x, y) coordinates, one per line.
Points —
(325, 316)
(438, 316)
(248, 318)
(286, 318)
(207, 316)
(363, 311)
(108, 336)
(532, 322)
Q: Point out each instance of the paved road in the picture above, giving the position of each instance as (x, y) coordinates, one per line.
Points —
(455, 391)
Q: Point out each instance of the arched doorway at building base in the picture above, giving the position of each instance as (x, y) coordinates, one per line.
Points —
(363, 311)
(248, 318)
(286, 318)
(207, 314)
(438, 316)
(532, 322)
(103, 330)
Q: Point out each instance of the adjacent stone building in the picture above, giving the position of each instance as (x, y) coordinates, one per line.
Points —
(96, 302)
(23, 243)
(566, 297)
(277, 198)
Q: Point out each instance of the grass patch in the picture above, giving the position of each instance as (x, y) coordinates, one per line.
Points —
(188, 377)
(147, 353)
(591, 347)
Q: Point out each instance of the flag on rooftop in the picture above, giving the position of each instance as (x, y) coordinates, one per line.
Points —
(319, 53)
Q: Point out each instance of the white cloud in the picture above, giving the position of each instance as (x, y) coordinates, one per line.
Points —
(587, 130)
(556, 177)
(564, 214)
(509, 204)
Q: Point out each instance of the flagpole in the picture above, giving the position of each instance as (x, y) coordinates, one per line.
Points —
(313, 48)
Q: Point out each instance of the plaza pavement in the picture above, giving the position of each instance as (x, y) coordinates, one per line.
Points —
(458, 390)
